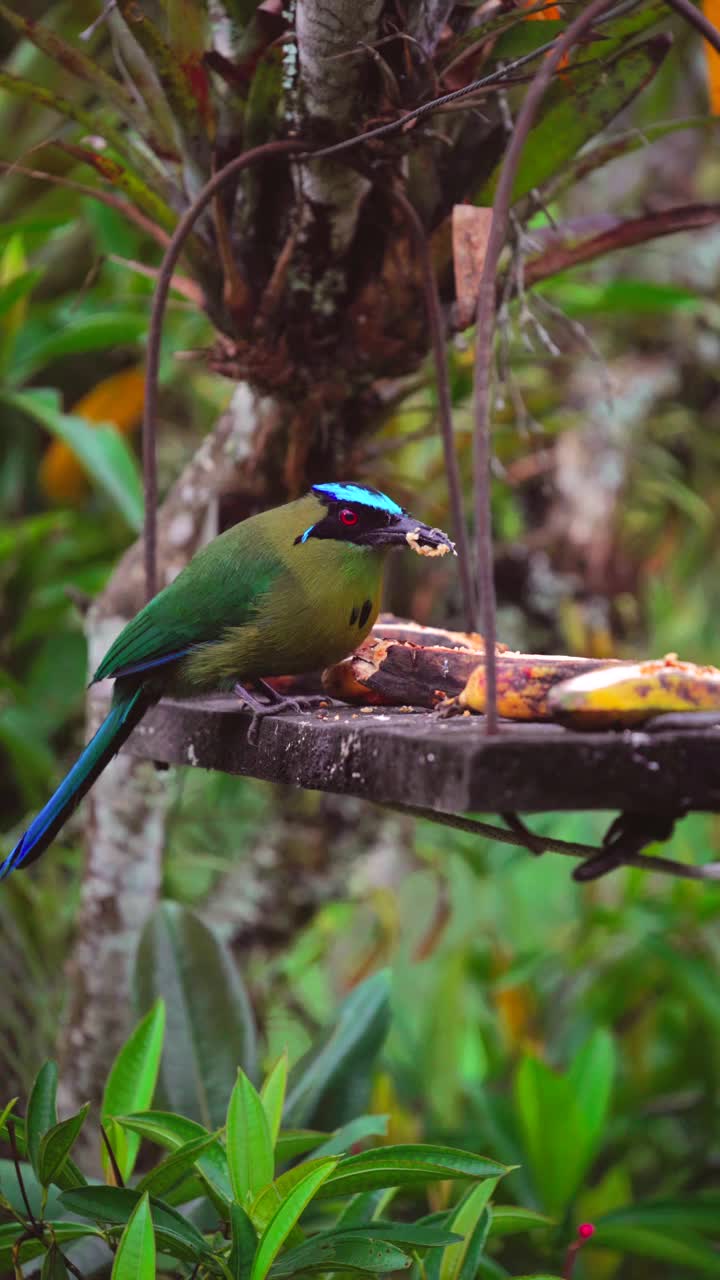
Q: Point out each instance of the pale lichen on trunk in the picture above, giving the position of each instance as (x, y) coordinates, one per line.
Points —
(331, 67)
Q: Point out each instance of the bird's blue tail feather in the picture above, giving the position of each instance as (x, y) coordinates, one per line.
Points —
(115, 728)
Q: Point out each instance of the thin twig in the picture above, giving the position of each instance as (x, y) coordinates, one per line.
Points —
(485, 321)
(438, 339)
(34, 1224)
(119, 1180)
(164, 281)
(697, 19)
(526, 839)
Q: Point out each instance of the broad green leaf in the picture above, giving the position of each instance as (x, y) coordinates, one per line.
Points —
(263, 1207)
(101, 449)
(590, 1081)
(244, 1243)
(172, 1132)
(682, 1248)
(337, 1252)
(273, 1095)
(627, 296)
(210, 1028)
(42, 1111)
(408, 1165)
(286, 1216)
(166, 1175)
(249, 1144)
(114, 1205)
(131, 1082)
(56, 1145)
(465, 1221)
(475, 1246)
(336, 1071)
(135, 1257)
(562, 1118)
(581, 103)
(508, 1219)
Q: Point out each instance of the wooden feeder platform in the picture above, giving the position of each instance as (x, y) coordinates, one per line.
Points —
(413, 757)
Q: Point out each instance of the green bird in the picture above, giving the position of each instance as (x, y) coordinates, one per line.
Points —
(287, 591)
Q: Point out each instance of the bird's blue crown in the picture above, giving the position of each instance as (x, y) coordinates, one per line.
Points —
(339, 492)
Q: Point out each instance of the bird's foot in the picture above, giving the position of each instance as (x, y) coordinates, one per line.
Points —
(276, 704)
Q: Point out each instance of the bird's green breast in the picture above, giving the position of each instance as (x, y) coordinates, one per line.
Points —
(314, 610)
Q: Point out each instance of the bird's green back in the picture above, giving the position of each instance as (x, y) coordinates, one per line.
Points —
(254, 603)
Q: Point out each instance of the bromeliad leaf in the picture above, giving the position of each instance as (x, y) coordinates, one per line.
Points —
(132, 1079)
(573, 116)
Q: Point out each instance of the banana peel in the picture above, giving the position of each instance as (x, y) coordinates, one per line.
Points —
(524, 684)
(629, 693)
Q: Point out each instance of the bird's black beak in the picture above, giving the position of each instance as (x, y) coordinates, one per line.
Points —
(406, 531)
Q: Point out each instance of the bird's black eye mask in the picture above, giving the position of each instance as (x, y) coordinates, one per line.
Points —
(348, 522)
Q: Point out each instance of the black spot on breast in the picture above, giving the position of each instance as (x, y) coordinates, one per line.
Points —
(364, 613)
(354, 615)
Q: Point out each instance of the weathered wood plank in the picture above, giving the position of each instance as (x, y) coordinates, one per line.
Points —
(416, 758)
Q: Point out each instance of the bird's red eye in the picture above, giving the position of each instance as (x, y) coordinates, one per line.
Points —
(348, 517)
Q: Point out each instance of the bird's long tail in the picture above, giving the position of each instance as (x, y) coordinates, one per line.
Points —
(127, 709)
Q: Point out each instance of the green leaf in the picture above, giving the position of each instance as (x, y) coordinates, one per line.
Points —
(166, 1175)
(210, 1028)
(114, 1205)
(273, 1095)
(82, 334)
(466, 1220)
(562, 1118)
(135, 1257)
(408, 1165)
(56, 1145)
(16, 289)
(286, 1216)
(701, 1212)
(508, 1219)
(342, 1252)
(348, 1134)
(101, 449)
(683, 1248)
(41, 1112)
(336, 1070)
(249, 1145)
(575, 109)
(172, 1132)
(62, 1233)
(244, 1243)
(131, 1082)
